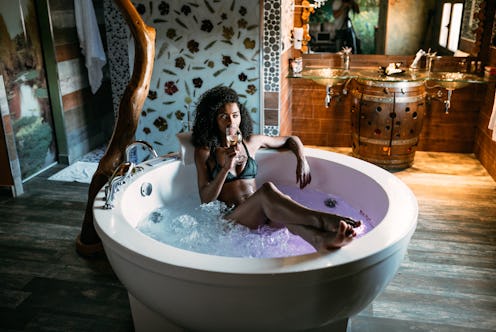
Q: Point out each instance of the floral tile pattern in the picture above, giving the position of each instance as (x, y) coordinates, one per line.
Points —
(199, 44)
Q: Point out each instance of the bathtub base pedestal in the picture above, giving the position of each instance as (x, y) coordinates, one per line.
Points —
(145, 320)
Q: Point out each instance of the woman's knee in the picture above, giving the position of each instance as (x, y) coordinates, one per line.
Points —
(269, 187)
(270, 190)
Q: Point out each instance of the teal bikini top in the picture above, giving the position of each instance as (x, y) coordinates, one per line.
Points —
(249, 172)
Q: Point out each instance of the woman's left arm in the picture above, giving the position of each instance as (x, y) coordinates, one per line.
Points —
(293, 143)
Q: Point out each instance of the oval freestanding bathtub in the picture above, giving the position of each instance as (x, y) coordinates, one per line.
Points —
(172, 289)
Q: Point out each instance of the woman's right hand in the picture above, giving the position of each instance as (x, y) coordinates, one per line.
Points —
(229, 155)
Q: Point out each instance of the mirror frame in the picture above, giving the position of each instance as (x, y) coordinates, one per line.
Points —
(471, 36)
(493, 36)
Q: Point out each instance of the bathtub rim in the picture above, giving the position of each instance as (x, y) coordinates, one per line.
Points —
(367, 250)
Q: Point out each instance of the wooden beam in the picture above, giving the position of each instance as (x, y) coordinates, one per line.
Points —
(127, 120)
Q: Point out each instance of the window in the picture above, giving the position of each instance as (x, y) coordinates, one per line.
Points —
(451, 21)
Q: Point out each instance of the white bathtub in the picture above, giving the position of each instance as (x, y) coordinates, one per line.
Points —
(171, 289)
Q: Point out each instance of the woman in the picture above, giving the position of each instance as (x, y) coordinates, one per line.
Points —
(222, 177)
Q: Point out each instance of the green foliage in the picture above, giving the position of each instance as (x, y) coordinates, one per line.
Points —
(364, 23)
(323, 14)
(33, 137)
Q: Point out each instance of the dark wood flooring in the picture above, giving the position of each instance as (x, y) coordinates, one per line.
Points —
(447, 281)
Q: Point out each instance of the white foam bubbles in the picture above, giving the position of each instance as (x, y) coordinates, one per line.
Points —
(203, 228)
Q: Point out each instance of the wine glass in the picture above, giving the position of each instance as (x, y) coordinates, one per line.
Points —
(233, 137)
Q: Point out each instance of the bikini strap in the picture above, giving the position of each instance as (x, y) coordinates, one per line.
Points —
(246, 149)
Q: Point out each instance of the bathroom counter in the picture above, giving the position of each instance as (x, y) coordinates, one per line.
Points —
(334, 76)
(387, 111)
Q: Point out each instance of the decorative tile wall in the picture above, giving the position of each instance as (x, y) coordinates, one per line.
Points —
(201, 44)
(117, 43)
(277, 26)
(271, 45)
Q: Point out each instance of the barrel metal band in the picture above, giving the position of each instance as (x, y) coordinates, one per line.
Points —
(389, 163)
(386, 142)
(389, 100)
(386, 84)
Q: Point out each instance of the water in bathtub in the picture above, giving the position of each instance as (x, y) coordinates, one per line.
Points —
(186, 225)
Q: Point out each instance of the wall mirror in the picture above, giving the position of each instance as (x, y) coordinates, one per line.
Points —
(398, 27)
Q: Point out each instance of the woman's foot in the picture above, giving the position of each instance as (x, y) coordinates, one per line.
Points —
(325, 240)
(330, 222)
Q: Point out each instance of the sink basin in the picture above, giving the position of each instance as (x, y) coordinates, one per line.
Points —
(452, 80)
(326, 76)
(329, 77)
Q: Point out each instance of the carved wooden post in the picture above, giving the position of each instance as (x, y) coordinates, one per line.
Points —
(130, 107)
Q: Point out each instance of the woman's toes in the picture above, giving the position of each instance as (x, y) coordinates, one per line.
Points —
(352, 222)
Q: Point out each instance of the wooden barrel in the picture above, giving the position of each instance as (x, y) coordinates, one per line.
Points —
(386, 120)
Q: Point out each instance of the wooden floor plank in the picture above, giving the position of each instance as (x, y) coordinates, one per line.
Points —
(439, 309)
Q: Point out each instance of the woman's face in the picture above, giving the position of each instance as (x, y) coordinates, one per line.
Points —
(228, 115)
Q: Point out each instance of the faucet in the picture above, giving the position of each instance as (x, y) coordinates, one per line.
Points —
(418, 56)
(123, 172)
(430, 56)
(118, 178)
(146, 145)
(345, 54)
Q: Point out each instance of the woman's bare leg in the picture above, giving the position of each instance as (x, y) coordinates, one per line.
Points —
(319, 228)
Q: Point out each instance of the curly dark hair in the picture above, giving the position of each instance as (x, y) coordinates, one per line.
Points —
(205, 130)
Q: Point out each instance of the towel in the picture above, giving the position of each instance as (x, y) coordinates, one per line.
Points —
(187, 151)
(78, 172)
(492, 120)
(90, 42)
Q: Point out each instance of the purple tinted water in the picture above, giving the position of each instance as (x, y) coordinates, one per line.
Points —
(186, 225)
(318, 200)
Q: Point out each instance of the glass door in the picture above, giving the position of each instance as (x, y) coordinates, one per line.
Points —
(24, 75)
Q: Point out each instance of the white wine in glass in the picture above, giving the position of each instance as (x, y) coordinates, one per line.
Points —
(233, 137)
